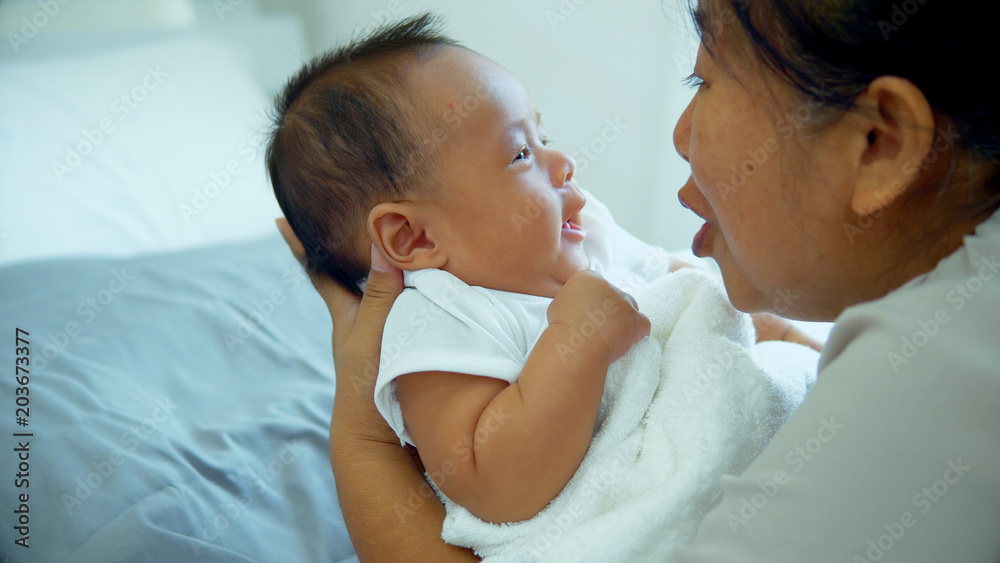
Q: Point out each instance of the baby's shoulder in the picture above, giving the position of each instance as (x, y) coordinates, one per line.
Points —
(437, 300)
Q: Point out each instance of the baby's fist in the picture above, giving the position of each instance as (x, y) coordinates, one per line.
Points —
(598, 313)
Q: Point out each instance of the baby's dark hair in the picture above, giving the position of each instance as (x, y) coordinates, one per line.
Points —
(345, 139)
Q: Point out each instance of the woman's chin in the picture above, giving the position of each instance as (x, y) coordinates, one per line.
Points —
(742, 295)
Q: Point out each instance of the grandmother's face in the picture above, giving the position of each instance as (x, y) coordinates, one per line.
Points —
(770, 189)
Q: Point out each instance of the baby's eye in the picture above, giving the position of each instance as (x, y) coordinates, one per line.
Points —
(523, 154)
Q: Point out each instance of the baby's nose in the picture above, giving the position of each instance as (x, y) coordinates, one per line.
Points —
(562, 168)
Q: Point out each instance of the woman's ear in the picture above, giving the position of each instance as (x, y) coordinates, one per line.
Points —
(397, 229)
(898, 137)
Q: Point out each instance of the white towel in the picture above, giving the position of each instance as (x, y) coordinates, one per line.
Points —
(682, 408)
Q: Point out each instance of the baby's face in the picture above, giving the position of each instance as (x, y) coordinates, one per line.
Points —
(507, 214)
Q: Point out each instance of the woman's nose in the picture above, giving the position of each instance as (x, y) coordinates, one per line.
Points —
(682, 131)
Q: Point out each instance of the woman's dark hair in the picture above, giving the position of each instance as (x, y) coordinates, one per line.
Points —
(345, 138)
(831, 50)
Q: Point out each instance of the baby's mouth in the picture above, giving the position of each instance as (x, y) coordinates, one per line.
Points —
(572, 230)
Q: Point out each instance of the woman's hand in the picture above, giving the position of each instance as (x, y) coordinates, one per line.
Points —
(390, 512)
(773, 327)
(357, 341)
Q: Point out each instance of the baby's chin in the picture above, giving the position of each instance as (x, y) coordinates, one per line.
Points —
(550, 285)
(581, 262)
(578, 265)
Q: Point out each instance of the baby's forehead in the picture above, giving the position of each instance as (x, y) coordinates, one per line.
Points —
(453, 83)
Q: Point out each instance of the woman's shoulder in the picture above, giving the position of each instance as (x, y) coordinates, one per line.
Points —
(946, 319)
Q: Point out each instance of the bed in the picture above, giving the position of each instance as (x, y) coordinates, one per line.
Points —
(167, 377)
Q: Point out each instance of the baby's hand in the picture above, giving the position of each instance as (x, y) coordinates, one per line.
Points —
(598, 313)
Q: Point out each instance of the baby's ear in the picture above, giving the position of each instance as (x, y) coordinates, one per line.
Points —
(397, 229)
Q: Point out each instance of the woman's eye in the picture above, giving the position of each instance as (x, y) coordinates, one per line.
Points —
(694, 81)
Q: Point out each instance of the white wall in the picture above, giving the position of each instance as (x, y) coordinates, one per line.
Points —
(90, 15)
(585, 62)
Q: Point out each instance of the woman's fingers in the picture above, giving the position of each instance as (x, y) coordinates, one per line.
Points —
(773, 327)
(769, 326)
(294, 245)
(357, 344)
(333, 294)
(799, 337)
(367, 318)
(384, 284)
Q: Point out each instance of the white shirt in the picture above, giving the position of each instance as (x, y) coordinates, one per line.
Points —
(895, 453)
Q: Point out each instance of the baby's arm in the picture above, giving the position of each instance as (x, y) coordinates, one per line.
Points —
(504, 451)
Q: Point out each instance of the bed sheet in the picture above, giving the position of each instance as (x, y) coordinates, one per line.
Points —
(177, 409)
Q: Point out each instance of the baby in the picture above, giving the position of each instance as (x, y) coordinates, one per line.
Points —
(497, 355)
(437, 155)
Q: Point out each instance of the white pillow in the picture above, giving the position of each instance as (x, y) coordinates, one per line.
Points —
(157, 147)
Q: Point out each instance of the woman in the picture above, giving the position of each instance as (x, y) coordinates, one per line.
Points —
(845, 159)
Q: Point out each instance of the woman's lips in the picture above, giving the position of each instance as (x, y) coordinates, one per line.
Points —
(701, 240)
(702, 237)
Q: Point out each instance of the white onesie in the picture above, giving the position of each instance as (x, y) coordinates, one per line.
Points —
(440, 323)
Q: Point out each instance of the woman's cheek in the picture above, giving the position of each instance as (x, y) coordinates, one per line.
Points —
(701, 165)
(709, 153)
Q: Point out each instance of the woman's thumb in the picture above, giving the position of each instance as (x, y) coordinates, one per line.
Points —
(385, 283)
